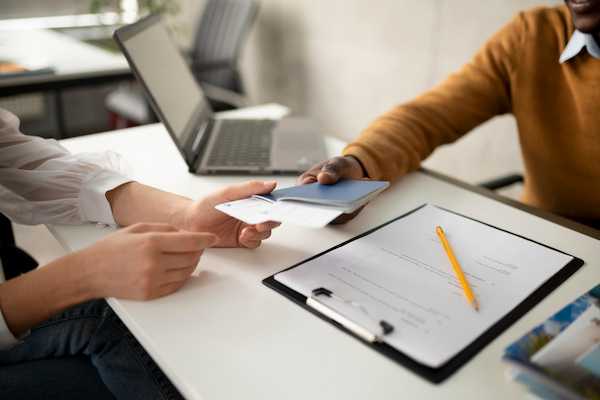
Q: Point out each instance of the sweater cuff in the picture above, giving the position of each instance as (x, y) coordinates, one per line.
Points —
(369, 165)
(95, 205)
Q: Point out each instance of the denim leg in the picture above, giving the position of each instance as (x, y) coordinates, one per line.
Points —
(94, 330)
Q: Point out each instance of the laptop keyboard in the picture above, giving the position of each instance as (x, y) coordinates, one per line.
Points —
(242, 143)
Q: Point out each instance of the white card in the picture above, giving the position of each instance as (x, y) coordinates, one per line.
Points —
(253, 211)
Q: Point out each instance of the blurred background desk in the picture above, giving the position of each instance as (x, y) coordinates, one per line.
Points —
(74, 64)
(225, 335)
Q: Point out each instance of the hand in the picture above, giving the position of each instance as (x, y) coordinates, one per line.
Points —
(331, 171)
(201, 216)
(142, 262)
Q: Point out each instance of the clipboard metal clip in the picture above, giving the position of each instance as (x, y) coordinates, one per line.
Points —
(352, 326)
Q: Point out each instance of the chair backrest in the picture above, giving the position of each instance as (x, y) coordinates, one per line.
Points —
(221, 31)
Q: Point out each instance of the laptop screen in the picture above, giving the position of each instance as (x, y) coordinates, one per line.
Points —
(166, 77)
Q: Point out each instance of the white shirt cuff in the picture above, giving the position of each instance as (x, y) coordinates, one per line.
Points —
(95, 205)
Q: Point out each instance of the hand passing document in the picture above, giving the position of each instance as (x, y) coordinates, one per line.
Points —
(313, 205)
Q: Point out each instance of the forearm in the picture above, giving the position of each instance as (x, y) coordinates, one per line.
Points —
(395, 143)
(134, 202)
(34, 297)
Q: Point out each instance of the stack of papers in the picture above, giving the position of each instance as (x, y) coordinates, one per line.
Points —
(313, 205)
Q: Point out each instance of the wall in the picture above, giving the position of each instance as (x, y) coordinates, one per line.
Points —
(347, 61)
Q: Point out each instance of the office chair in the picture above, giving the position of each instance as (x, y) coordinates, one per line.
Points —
(222, 29)
(221, 32)
(24, 380)
(502, 182)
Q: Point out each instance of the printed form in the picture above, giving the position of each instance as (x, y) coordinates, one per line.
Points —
(401, 273)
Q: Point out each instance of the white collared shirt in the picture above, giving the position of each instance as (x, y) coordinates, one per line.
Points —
(578, 41)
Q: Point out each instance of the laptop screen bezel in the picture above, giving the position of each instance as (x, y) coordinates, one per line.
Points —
(192, 127)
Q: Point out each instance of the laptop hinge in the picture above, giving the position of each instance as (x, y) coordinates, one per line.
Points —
(200, 142)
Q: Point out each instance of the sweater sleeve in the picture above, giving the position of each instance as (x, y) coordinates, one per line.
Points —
(395, 143)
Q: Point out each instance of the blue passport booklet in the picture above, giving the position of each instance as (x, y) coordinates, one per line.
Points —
(345, 195)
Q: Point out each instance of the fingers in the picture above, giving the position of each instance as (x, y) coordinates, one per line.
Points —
(144, 261)
(165, 238)
(267, 226)
(178, 261)
(167, 289)
(182, 242)
(252, 236)
(332, 170)
(179, 275)
(163, 276)
(239, 191)
(247, 189)
(342, 219)
(149, 227)
(310, 176)
(171, 277)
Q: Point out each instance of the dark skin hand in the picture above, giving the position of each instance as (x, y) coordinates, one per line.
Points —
(331, 171)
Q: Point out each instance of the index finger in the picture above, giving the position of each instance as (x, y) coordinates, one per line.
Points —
(326, 172)
(338, 168)
(182, 242)
(310, 176)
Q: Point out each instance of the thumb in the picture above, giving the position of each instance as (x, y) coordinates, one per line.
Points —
(247, 189)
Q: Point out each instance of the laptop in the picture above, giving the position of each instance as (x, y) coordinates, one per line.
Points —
(210, 145)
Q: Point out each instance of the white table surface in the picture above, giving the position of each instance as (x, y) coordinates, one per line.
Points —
(225, 335)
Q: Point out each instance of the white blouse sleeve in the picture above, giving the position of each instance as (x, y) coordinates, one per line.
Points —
(41, 182)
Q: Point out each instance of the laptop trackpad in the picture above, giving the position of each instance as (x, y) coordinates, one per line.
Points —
(298, 144)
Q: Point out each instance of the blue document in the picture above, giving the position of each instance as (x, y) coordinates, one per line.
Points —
(346, 195)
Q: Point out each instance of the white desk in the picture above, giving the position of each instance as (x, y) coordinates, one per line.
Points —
(225, 335)
(74, 62)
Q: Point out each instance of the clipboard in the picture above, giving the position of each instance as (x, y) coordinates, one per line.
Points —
(434, 375)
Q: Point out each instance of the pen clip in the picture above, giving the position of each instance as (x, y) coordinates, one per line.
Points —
(352, 326)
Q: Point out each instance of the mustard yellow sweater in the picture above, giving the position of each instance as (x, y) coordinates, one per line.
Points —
(557, 108)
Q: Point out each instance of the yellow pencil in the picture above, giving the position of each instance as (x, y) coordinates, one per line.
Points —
(461, 276)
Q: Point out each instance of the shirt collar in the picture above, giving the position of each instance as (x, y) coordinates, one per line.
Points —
(578, 41)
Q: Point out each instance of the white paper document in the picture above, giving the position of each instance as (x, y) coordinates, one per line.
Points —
(254, 211)
(402, 274)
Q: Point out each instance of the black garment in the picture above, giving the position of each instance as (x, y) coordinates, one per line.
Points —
(14, 260)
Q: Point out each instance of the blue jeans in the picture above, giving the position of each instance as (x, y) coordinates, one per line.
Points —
(93, 329)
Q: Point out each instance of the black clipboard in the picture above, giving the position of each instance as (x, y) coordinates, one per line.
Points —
(436, 375)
